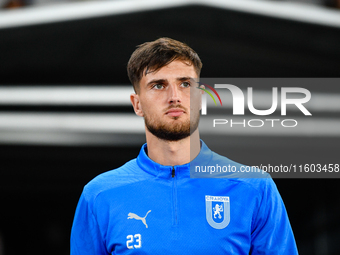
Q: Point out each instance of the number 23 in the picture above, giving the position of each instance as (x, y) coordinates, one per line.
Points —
(130, 240)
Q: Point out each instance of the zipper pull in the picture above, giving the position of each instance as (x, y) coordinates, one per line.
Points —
(173, 172)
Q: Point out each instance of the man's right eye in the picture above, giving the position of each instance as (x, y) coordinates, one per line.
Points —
(158, 86)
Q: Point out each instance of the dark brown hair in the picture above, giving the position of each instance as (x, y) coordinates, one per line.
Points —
(151, 56)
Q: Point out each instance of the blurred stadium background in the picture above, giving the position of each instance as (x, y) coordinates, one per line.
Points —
(65, 115)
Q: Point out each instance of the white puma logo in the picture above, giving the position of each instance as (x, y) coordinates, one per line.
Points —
(136, 217)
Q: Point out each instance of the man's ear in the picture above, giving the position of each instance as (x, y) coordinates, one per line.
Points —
(136, 104)
(202, 92)
(202, 87)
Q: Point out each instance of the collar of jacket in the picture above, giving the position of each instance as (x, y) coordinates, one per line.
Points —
(181, 171)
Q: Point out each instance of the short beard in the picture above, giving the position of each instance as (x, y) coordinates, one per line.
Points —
(171, 132)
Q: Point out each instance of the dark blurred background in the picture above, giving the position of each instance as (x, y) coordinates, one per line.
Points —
(65, 115)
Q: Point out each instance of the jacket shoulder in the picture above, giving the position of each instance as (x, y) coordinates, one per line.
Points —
(249, 175)
(127, 174)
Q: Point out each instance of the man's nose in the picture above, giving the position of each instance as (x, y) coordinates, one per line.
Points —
(174, 95)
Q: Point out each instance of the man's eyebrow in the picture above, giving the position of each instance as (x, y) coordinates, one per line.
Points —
(156, 81)
(184, 78)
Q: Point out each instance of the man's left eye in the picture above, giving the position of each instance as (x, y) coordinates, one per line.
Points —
(185, 84)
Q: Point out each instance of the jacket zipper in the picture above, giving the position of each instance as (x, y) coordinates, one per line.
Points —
(174, 196)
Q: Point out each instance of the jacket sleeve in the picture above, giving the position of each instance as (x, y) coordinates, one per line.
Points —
(271, 230)
(86, 237)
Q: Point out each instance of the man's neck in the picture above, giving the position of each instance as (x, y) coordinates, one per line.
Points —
(173, 153)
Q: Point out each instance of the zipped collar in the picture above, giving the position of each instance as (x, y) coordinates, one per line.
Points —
(161, 171)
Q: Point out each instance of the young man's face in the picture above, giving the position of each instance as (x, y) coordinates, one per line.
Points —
(164, 101)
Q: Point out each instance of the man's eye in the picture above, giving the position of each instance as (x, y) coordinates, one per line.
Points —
(185, 84)
(158, 86)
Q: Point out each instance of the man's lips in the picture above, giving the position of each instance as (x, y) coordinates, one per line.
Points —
(175, 112)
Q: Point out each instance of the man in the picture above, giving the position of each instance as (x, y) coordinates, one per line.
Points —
(150, 205)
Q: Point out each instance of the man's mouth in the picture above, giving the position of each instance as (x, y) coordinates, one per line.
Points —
(175, 112)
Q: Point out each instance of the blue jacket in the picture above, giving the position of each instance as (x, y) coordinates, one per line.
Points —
(147, 208)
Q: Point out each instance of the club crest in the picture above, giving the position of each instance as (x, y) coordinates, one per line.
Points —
(217, 211)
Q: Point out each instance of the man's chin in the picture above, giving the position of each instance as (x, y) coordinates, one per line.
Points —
(172, 118)
(173, 128)
(170, 132)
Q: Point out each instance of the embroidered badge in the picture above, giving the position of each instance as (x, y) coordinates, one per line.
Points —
(217, 211)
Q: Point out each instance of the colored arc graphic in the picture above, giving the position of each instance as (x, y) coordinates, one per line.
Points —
(218, 96)
(209, 94)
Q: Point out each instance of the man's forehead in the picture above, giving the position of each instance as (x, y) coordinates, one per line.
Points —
(175, 70)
